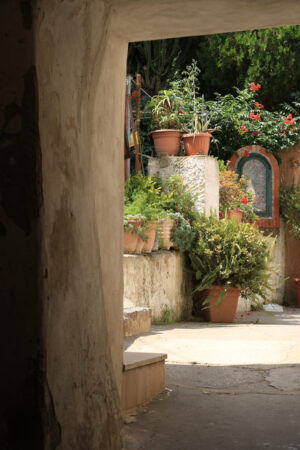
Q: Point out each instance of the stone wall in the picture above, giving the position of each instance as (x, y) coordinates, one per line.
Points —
(200, 174)
(160, 282)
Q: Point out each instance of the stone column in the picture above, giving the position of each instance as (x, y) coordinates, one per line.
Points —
(199, 173)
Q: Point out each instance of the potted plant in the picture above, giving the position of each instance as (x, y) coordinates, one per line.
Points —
(166, 122)
(194, 116)
(130, 236)
(229, 259)
(198, 141)
(236, 202)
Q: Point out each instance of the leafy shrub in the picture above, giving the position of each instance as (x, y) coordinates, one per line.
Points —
(231, 254)
(290, 207)
(182, 235)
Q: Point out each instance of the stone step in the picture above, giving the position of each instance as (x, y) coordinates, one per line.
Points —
(143, 378)
(136, 320)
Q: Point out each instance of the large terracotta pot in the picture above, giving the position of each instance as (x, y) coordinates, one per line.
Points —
(130, 238)
(225, 313)
(235, 213)
(150, 233)
(139, 245)
(164, 233)
(167, 142)
(297, 283)
(195, 143)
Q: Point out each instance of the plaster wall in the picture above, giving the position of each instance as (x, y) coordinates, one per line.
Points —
(158, 281)
(81, 70)
(290, 172)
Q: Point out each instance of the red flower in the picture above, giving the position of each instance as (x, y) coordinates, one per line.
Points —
(244, 200)
(255, 133)
(254, 87)
(180, 111)
(258, 105)
(246, 153)
(289, 116)
(221, 215)
(255, 116)
(292, 129)
(242, 130)
(283, 131)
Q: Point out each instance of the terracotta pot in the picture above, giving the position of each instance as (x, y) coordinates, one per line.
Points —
(297, 283)
(167, 142)
(235, 213)
(164, 234)
(150, 233)
(225, 313)
(130, 238)
(139, 245)
(195, 143)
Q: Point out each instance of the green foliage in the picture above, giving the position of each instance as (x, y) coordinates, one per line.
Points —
(157, 61)
(270, 56)
(127, 226)
(231, 254)
(241, 120)
(233, 192)
(182, 236)
(192, 107)
(179, 198)
(165, 108)
(290, 207)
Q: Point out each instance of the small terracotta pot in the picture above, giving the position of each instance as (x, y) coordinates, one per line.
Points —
(150, 233)
(297, 283)
(235, 213)
(164, 234)
(130, 238)
(225, 313)
(167, 142)
(195, 143)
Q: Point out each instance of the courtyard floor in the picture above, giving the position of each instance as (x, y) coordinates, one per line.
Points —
(228, 386)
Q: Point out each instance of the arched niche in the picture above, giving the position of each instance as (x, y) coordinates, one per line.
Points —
(261, 170)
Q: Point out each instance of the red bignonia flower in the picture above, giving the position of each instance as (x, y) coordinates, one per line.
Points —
(255, 116)
(242, 130)
(254, 87)
(255, 133)
(221, 215)
(258, 105)
(247, 154)
(244, 200)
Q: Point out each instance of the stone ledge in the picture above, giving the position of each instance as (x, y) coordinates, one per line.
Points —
(133, 360)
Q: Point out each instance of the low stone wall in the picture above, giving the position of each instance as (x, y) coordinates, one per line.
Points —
(158, 281)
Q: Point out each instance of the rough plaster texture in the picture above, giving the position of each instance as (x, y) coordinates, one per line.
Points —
(136, 320)
(80, 52)
(290, 172)
(81, 69)
(200, 174)
(158, 281)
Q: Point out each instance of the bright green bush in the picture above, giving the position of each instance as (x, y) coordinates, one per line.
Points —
(231, 254)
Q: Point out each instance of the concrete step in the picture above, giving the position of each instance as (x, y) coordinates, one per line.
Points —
(143, 378)
(136, 320)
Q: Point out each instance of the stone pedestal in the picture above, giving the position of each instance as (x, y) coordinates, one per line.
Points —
(199, 173)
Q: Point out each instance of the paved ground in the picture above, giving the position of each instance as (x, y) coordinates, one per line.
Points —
(229, 387)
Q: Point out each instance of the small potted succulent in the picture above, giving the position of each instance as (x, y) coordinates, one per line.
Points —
(166, 122)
